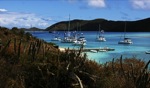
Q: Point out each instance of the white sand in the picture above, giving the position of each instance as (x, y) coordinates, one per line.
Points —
(62, 49)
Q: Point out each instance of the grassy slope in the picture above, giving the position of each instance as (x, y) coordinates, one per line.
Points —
(27, 62)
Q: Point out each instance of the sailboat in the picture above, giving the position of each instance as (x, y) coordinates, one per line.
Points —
(125, 39)
(68, 38)
(80, 40)
(100, 36)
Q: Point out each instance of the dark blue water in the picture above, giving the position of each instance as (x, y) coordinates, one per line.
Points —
(141, 43)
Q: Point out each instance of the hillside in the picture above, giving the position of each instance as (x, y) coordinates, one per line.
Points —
(28, 62)
(107, 25)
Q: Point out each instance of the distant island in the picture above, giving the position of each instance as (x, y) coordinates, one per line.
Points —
(32, 29)
(142, 25)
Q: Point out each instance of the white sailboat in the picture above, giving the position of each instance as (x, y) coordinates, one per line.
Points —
(80, 40)
(68, 38)
(125, 39)
(100, 36)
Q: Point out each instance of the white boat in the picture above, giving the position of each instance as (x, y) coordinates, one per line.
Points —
(81, 39)
(125, 39)
(68, 40)
(68, 37)
(147, 52)
(102, 50)
(100, 36)
(101, 39)
(56, 37)
(79, 43)
(94, 51)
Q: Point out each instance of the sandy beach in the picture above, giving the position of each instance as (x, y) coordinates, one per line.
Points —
(62, 49)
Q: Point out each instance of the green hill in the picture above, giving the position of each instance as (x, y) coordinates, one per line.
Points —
(107, 25)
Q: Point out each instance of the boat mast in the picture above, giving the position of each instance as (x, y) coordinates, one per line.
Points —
(99, 30)
(125, 29)
(69, 23)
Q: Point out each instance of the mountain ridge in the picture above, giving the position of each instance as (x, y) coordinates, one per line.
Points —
(107, 25)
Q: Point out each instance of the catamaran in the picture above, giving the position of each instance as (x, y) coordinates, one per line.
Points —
(100, 36)
(125, 39)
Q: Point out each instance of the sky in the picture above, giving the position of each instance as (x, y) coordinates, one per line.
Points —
(43, 13)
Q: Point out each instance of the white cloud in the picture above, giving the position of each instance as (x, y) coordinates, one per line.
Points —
(15, 19)
(3, 10)
(141, 4)
(97, 3)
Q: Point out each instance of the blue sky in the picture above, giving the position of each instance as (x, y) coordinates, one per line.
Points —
(43, 13)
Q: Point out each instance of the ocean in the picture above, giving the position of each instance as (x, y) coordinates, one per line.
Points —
(141, 43)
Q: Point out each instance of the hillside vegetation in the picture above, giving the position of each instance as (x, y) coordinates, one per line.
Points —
(28, 62)
(107, 25)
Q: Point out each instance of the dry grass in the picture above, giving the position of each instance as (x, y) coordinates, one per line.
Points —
(27, 62)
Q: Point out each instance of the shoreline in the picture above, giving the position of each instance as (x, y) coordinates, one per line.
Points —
(61, 49)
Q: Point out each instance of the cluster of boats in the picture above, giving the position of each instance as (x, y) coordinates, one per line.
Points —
(79, 39)
(74, 37)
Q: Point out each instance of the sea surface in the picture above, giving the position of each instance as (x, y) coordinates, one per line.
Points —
(141, 43)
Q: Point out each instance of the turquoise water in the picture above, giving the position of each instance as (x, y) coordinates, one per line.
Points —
(141, 43)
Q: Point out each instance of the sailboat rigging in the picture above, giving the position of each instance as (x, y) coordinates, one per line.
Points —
(80, 40)
(100, 36)
(125, 39)
(68, 38)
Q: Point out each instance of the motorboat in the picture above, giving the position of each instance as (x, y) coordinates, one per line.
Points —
(94, 51)
(56, 38)
(79, 42)
(147, 52)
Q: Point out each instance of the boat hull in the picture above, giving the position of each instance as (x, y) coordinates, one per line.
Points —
(101, 40)
(122, 42)
(147, 52)
(56, 39)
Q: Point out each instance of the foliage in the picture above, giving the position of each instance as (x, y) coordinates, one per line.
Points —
(27, 62)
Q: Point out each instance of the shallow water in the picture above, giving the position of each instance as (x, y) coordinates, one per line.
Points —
(141, 43)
